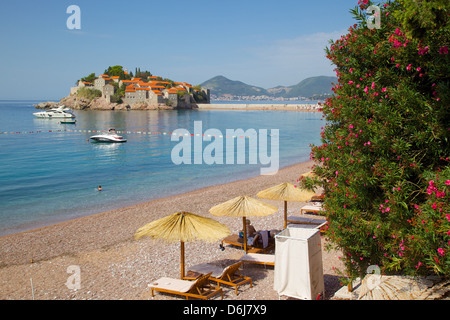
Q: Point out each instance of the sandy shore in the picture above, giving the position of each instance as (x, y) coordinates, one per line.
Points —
(115, 266)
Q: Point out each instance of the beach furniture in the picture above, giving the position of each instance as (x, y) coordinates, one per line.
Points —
(243, 207)
(200, 288)
(286, 192)
(184, 227)
(298, 271)
(228, 276)
(258, 258)
(307, 222)
(314, 208)
(235, 240)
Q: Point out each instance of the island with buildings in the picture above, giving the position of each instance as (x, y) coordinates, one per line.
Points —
(117, 89)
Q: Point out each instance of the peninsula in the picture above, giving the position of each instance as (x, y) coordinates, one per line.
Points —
(117, 89)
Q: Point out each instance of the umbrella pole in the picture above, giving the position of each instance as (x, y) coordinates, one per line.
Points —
(245, 233)
(182, 259)
(285, 214)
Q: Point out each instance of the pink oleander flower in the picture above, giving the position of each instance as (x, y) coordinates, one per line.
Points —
(441, 252)
(408, 67)
(423, 51)
(443, 50)
(373, 85)
(447, 182)
(418, 69)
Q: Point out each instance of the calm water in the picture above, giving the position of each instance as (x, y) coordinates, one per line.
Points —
(50, 177)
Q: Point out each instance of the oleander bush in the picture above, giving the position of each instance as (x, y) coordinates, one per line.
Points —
(384, 158)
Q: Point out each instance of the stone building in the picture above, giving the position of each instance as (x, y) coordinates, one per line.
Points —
(153, 92)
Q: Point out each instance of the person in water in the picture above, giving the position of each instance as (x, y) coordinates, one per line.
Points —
(99, 188)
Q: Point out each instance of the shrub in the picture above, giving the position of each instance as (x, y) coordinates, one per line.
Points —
(384, 157)
(88, 93)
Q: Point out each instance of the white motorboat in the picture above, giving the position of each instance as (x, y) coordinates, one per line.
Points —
(59, 112)
(109, 136)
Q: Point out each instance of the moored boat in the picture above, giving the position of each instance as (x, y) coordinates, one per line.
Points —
(109, 136)
(59, 112)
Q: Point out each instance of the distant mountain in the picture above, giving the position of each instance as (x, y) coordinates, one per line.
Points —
(309, 87)
(221, 86)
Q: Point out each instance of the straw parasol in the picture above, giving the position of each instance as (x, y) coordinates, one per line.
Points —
(184, 227)
(286, 192)
(243, 206)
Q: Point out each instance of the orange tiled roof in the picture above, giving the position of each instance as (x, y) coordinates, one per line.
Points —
(140, 88)
(115, 77)
(172, 90)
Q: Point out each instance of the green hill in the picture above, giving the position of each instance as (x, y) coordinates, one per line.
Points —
(309, 87)
(220, 86)
(314, 86)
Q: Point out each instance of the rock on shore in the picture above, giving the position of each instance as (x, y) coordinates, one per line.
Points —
(77, 103)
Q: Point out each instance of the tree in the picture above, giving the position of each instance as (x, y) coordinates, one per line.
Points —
(117, 71)
(384, 157)
(90, 78)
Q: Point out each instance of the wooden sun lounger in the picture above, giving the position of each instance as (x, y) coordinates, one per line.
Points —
(234, 240)
(228, 276)
(200, 288)
(311, 208)
(258, 258)
(307, 222)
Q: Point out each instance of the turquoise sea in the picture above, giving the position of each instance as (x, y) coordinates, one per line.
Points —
(49, 172)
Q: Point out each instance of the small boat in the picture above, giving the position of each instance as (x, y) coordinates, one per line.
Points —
(59, 112)
(69, 120)
(109, 136)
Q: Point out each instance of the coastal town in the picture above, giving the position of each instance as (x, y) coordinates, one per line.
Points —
(149, 90)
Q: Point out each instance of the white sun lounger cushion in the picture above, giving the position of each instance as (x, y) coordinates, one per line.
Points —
(172, 284)
(205, 268)
(258, 257)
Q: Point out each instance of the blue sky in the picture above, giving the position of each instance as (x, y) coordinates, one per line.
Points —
(259, 42)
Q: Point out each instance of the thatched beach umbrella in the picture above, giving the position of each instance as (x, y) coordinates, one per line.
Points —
(286, 192)
(243, 206)
(184, 227)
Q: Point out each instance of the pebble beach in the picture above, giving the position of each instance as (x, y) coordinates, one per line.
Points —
(115, 266)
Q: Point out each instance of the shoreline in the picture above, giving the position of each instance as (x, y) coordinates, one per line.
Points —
(260, 106)
(70, 223)
(116, 266)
